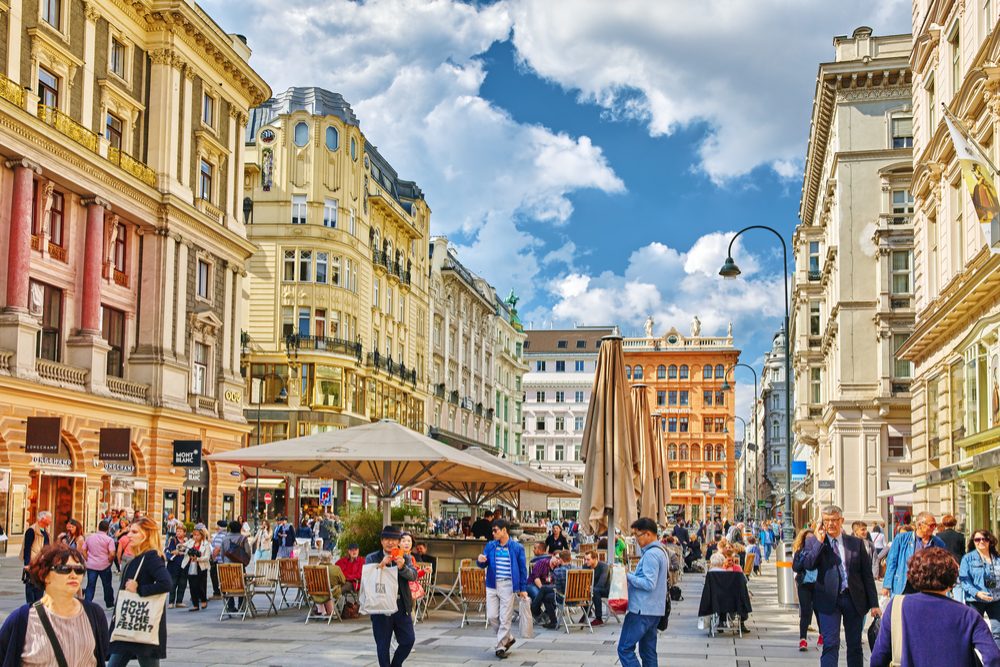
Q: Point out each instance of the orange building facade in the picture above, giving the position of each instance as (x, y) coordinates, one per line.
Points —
(692, 415)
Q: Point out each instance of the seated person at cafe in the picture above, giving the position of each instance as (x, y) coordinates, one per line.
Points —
(482, 529)
(559, 573)
(539, 572)
(420, 555)
(351, 565)
(546, 596)
(694, 552)
(602, 582)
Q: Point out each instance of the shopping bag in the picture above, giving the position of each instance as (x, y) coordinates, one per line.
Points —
(379, 589)
(137, 618)
(525, 619)
(618, 596)
(873, 630)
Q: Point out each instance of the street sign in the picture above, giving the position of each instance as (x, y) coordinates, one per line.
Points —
(267, 498)
(760, 503)
(826, 484)
(706, 485)
(235, 473)
(325, 496)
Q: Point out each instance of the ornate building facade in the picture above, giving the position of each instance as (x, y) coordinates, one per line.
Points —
(336, 333)
(772, 432)
(954, 346)
(120, 137)
(693, 415)
(852, 297)
(510, 369)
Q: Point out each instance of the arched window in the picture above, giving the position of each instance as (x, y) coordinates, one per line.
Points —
(720, 452)
(684, 452)
(684, 372)
(708, 453)
(628, 372)
(695, 453)
(332, 138)
(301, 134)
(673, 480)
(672, 372)
(354, 149)
(718, 480)
(672, 452)
(683, 481)
(637, 373)
(661, 372)
(776, 430)
(707, 372)
(720, 371)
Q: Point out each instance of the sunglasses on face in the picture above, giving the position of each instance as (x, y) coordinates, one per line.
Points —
(66, 569)
(980, 539)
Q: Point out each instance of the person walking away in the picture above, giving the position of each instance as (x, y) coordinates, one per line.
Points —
(220, 534)
(196, 564)
(766, 542)
(954, 541)
(602, 584)
(754, 548)
(351, 565)
(287, 533)
(277, 538)
(99, 548)
(647, 595)
(36, 538)
(902, 548)
(506, 576)
(80, 628)
(235, 548)
(805, 583)
(399, 624)
(482, 528)
(146, 575)
(929, 615)
(979, 575)
(176, 547)
(844, 589)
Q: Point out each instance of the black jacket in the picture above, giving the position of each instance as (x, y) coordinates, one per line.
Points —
(954, 541)
(405, 574)
(725, 592)
(821, 557)
(153, 578)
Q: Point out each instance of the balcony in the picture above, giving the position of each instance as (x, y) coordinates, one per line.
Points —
(132, 166)
(379, 362)
(209, 209)
(58, 252)
(336, 345)
(900, 387)
(121, 278)
(439, 391)
(11, 92)
(895, 219)
(380, 260)
(68, 126)
(128, 390)
(61, 373)
(202, 403)
(453, 397)
(815, 276)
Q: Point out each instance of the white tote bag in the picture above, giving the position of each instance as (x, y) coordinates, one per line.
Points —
(379, 589)
(137, 618)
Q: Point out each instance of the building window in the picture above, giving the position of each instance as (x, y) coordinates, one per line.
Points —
(671, 397)
(720, 424)
(540, 366)
(902, 279)
(204, 276)
(902, 206)
(637, 373)
(539, 397)
(720, 453)
(956, 59)
(578, 366)
(560, 397)
(814, 318)
(708, 453)
(560, 424)
(113, 331)
(776, 458)
(305, 266)
(540, 424)
(706, 372)
(375, 296)
(661, 398)
(289, 266)
(901, 367)
(672, 424)
(51, 13)
(205, 182)
(121, 245)
(684, 424)
(320, 319)
(902, 132)
(683, 484)
(304, 318)
(684, 372)
(208, 110)
(50, 336)
(321, 266)
(720, 372)
(775, 430)
(815, 385)
(987, 17)
(931, 104)
(661, 372)
(298, 209)
(897, 447)
(56, 214)
(354, 149)
(672, 372)
(113, 131)
(48, 87)
(560, 367)
(560, 453)
(561, 344)
(672, 452)
(330, 212)
(684, 397)
(628, 372)
(578, 397)
(200, 380)
(720, 398)
(814, 260)
(301, 134)
(684, 452)
(353, 222)
(116, 59)
(707, 397)
(707, 427)
(332, 139)
(578, 425)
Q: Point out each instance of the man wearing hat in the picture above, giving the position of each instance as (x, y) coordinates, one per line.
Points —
(400, 624)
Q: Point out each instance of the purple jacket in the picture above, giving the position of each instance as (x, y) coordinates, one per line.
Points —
(926, 615)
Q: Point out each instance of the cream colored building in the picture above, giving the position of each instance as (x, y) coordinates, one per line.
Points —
(954, 346)
(510, 369)
(337, 307)
(853, 285)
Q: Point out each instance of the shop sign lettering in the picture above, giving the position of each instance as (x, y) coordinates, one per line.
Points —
(113, 467)
(52, 462)
(234, 396)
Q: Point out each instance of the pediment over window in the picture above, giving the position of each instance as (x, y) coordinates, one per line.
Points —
(204, 321)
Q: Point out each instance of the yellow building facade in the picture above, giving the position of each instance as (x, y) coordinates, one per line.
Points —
(336, 326)
(120, 131)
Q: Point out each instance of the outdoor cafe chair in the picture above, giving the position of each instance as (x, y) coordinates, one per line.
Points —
(426, 579)
(726, 596)
(586, 548)
(472, 591)
(233, 587)
(748, 564)
(290, 578)
(313, 559)
(317, 583)
(448, 593)
(265, 582)
(579, 595)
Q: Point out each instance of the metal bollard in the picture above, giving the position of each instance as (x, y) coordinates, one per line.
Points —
(788, 594)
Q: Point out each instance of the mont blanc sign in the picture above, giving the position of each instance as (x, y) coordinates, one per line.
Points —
(187, 453)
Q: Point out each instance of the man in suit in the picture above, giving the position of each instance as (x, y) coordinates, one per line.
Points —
(844, 589)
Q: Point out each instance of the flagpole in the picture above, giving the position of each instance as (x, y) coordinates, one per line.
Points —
(968, 136)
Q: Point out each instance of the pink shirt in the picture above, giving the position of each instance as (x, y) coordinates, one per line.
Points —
(100, 547)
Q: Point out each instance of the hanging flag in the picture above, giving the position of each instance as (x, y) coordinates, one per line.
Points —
(977, 173)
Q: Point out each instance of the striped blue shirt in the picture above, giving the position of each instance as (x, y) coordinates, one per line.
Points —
(503, 562)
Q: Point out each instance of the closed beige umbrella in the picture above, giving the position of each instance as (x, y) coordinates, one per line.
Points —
(662, 479)
(609, 447)
(649, 498)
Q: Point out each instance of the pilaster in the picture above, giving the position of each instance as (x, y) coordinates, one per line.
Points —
(89, 44)
(181, 274)
(14, 30)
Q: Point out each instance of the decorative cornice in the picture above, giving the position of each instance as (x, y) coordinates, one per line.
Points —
(873, 93)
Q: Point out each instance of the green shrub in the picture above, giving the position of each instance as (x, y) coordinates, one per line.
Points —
(400, 513)
(362, 527)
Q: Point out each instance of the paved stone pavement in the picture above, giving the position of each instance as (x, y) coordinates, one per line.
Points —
(201, 640)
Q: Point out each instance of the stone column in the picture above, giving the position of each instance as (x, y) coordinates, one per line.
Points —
(181, 278)
(187, 111)
(14, 14)
(232, 165)
(90, 312)
(170, 253)
(19, 243)
(164, 110)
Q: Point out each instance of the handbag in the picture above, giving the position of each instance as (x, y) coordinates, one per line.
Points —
(50, 632)
(137, 618)
(416, 590)
(897, 631)
(379, 589)
(525, 619)
(873, 629)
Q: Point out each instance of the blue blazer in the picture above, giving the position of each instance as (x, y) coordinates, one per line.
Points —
(518, 565)
(928, 617)
(899, 555)
(819, 556)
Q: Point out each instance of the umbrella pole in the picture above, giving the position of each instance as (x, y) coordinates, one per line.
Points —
(387, 499)
(386, 511)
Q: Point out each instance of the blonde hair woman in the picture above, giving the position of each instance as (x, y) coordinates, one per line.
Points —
(146, 575)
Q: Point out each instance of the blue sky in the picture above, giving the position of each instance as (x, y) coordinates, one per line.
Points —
(594, 156)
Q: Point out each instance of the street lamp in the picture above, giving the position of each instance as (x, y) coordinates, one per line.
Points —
(731, 270)
(726, 387)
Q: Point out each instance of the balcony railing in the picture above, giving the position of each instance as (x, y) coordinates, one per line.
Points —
(68, 126)
(58, 252)
(121, 278)
(132, 166)
(896, 218)
(381, 362)
(900, 387)
(439, 390)
(57, 372)
(123, 387)
(338, 345)
(11, 92)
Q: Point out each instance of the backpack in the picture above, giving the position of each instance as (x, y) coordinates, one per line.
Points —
(238, 552)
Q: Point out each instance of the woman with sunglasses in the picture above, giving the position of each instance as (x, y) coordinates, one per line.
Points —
(78, 628)
(980, 578)
(146, 575)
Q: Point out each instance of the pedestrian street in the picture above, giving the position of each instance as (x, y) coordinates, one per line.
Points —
(201, 640)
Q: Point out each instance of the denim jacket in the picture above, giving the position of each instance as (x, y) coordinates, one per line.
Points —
(972, 574)
(899, 556)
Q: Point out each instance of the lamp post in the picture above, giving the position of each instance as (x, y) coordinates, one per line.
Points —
(731, 270)
(726, 387)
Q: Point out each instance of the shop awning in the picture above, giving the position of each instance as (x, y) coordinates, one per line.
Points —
(264, 482)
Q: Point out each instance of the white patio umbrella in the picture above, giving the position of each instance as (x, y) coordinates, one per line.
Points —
(535, 481)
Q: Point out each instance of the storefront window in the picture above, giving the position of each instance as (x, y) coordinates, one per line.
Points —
(274, 378)
(329, 387)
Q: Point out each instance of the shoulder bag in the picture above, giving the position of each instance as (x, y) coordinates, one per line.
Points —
(137, 617)
(897, 631)
(50, 632)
